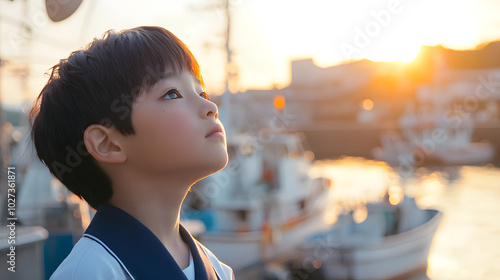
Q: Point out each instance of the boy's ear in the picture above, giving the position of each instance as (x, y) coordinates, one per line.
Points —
(102, 145)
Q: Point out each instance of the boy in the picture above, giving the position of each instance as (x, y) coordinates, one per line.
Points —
(125, 125)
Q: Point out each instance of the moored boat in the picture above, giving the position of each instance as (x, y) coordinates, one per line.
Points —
(393, 242)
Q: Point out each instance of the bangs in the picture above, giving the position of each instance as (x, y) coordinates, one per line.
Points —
(151, 52)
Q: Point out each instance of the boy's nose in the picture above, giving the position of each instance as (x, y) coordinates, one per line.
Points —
(209, 110)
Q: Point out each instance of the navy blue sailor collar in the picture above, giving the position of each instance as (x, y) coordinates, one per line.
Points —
(140, 253)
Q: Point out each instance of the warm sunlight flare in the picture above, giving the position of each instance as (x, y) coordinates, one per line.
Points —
(402, 54)
(367, 104)
(394, 195)
(330, 218)
(394, 199)
(360, 214)
(433, 182)
(279, 102)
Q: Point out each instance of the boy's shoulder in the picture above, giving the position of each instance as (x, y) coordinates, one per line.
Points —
(89, 260)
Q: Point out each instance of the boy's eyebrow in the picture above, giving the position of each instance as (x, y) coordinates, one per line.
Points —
(168, 74)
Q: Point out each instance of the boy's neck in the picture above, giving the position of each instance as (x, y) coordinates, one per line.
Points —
(158, 214)
(157, 208)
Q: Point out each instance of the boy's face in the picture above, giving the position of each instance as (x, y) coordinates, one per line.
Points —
(174, 126)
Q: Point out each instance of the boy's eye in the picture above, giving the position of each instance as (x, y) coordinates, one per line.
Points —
(205, 95)
(172, 94)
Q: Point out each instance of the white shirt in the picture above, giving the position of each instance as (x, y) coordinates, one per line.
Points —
(117, 247)
(89, 260)
(189, 271)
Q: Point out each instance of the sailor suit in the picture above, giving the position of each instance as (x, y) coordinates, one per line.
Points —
(116, 246)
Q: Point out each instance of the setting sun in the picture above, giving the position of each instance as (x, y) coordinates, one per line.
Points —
(330, 32)
(400, 53)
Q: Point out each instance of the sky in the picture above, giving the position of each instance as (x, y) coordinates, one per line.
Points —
(265, 34)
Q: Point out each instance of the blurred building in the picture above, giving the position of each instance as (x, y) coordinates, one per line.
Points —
(467, 82)
(351, 104)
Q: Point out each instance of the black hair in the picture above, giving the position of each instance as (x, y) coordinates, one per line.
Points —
(99, 85)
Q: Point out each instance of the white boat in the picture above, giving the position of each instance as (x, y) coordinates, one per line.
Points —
(446, 139)
(434, 138)
(394, 149)
(262, 205)
(381, 247)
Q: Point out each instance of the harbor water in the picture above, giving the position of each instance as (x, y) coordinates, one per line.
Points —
(466, 245)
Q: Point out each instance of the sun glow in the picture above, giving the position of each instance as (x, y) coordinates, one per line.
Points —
(360, 214)
(367, 104)
(395, 195)
(400, 53)
(331, 32)
(279, 102)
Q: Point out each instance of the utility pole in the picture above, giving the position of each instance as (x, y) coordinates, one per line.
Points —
(225, 110)
(230, 68)
(231, 72)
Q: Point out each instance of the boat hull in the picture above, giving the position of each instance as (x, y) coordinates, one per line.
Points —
(476, 153)
(396, 256)
(248, 249)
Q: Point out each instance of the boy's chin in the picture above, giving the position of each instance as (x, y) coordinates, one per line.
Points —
(217, 165)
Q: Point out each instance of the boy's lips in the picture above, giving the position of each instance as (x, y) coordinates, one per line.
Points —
(215, 131)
